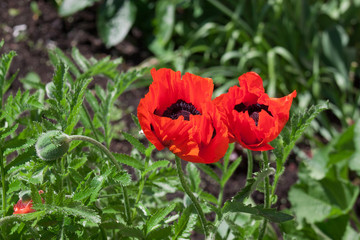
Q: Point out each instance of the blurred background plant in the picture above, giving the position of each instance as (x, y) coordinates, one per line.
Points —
(306, 45)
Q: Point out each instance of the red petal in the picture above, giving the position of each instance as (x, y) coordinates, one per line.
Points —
(252, 83)
(190, 140)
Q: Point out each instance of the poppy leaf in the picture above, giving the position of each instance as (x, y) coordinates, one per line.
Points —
(269, 213)
(186, 223)
(162, 233)
(194, 177)
(299, 122)
(156, 165)
(80, 60)
(4, 132)
(136, 121)
(252, 184)
(228, 154)
(230, 171)
(130, 161)
(158, 217)
(124, 229)
(208, 170)
(135, 142)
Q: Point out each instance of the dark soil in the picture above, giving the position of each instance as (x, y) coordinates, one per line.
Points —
(31, 36)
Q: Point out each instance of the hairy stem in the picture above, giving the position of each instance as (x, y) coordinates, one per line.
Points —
(114, 161)
(267, 187)
(190, 194)
(250, 165)
(3, 183)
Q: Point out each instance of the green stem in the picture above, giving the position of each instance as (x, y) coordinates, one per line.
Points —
(250, 165)
(142, 181)
(267, 186)
(114, 161)
(100, 146)
(190, 194)
(221, 196)
(3, 183)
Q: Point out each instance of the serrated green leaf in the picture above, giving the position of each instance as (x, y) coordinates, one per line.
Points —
(124, 230)
(208, 197)
(77, 211)
(149, 150)
(8, 131)
(271, 214)
(252, 184)
(91, 190)
(57, 56)
(136, 121)
(194, 176)
(130, 161)
(185, 224)
(35, 196)
(208, 170)
(17, 144)
(158, 217)
(135, 142)
(123, 178)
(230, 171)
(76, 104)
(5, 62)
(162, 233)
(156, 165)
(228, 154)
(59, 81)
(80, 60)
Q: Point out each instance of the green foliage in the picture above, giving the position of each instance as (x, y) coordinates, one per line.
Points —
(270, 214)
(85, 197)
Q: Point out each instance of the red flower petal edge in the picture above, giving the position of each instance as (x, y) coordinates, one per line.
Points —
(253, 118)
(178, 113)
(23, 207)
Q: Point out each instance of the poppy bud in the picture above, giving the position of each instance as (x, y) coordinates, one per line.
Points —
(52, 145)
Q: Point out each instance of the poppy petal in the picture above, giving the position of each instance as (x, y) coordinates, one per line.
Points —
(178, 113)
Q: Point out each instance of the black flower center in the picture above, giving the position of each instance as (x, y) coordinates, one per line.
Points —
(253, 110)
(180, 108)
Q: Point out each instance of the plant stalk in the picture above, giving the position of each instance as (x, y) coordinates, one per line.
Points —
(190, 194)
(114, 161)
(250, 165)
(3, 183)
(267, 186)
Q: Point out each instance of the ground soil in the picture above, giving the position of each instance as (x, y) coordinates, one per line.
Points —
(39, 33)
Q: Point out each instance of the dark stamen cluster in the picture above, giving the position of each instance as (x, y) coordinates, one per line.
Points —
(253, 110)
(180, 108)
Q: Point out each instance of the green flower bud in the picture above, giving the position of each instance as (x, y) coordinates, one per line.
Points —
(52, 145)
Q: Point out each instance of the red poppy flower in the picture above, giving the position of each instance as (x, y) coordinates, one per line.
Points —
(253, 118)
(24, 205)
(179, 114)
